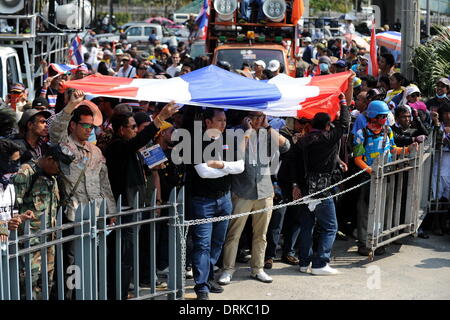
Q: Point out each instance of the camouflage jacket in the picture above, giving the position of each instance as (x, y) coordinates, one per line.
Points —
(94, 183)
(37, 192)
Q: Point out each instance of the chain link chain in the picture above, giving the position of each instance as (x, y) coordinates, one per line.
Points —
(302, 200)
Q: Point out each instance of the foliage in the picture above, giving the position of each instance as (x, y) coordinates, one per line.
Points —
(326, 5)
(431, 60)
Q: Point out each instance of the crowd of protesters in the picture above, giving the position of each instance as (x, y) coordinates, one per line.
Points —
(56, 151)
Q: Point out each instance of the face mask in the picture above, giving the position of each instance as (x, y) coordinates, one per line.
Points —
(323, 67)
(8, 170)
(442, 96)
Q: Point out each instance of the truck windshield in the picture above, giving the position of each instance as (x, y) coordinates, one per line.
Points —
(237, 56)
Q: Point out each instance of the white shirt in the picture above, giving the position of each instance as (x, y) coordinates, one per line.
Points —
(7, 198)
(172, 71)
(129, 73)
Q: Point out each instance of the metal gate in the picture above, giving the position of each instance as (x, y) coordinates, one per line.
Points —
(89, 236)
(399, 195)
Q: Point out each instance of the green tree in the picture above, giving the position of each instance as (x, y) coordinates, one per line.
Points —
(335, 5)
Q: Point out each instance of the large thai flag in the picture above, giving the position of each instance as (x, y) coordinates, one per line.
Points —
(202, 19)
(390, 39)
(373, 61)
(75, 55)
(214, 87)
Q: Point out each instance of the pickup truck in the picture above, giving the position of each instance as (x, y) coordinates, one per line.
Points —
(138, 34)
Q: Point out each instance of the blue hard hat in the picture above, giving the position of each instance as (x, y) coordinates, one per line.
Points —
(377, 107)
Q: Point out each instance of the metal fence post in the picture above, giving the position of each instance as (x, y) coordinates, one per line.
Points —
(93, 246)
(152, 245)
(44, 257)
(27, 262)
(118, 251)
(136, 217)
(59, 266)
(172, 277)
(102, 252)
(5, 273)
(181, 250)
(79, 259)
(14, 266)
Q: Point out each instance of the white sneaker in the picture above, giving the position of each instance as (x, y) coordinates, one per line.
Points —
(262, 276)
(224, 279)
(305, 269)
(325, 271)
(189, 274)
(163, 272)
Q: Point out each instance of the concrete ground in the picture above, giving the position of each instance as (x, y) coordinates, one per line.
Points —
(416, 269)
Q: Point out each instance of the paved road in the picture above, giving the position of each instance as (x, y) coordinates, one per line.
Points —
(417, 269)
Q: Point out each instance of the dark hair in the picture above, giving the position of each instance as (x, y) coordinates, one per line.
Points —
(189, 65)
(385, 80)
(399, 110)
(7, 148)
(8, 122)
(81, 111)
(268, 73)
(354, 51)
(370, 80)
(210, 113)
(400, 78)
(443, 109)
(320, 120)
(390, 61)
(120, 120)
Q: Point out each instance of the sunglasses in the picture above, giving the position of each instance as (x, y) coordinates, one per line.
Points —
(86, 125)
(382, 116)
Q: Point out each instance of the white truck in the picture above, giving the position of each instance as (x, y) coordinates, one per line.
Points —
(10, 71)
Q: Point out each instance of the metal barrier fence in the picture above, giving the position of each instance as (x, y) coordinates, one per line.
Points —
(88, 233)
(399, 195)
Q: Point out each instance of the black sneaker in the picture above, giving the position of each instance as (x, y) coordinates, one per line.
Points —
(380, 251)
(214, 287)
(202, 296)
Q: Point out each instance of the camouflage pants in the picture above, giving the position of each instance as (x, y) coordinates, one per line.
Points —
(36, 273)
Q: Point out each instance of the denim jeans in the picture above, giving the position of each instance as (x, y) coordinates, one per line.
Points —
(325, 214)
(273, 232)
(208, 238)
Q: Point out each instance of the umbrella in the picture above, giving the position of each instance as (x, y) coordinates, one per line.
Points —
(347, 16)
(392, 40)
(360, 42)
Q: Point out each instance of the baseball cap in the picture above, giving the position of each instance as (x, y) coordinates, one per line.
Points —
(444, 81)
(119, 52)
(164, 125)
(40, 102)
(145, 55)
(274, 65)
(411, 89)
(307, 39)
(260, 63)
(29, 114)
(126, 57)
(325, 59)
(320, 46)
(107, 53)
(340, 63)
(17, 87)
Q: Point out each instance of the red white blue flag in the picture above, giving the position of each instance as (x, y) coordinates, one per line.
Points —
(202, 19)
(373, 61)
(75, 55)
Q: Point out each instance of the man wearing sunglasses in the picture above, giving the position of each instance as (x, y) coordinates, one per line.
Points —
(86, 178)
(126, 173)
(370, 142)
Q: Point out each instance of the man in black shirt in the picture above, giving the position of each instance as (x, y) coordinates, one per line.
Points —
(211, 197)
(320, 152)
